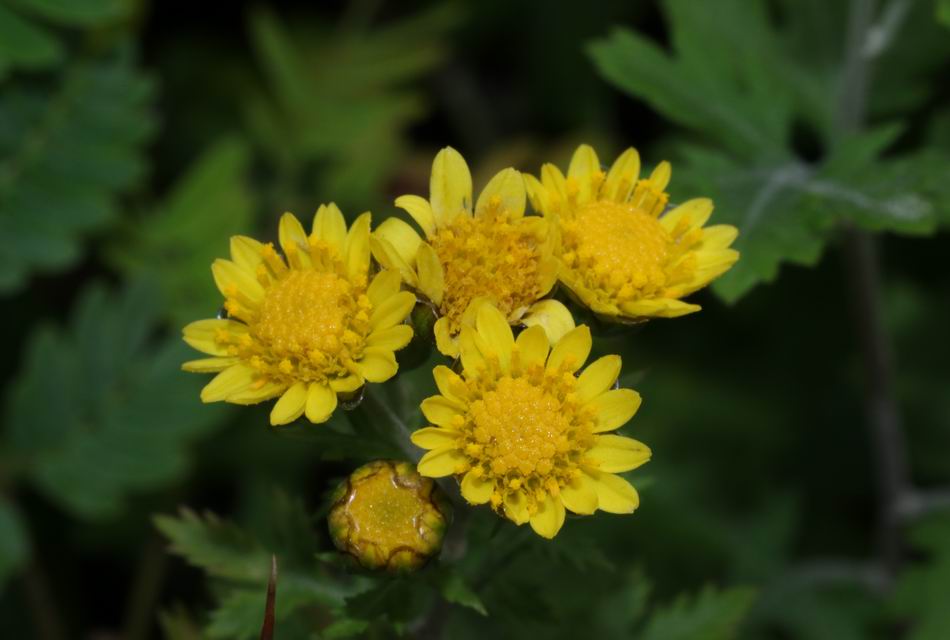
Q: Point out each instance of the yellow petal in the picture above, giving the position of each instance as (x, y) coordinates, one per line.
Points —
(477, 490)
(258, 392)
(441, 411)
(584, 163)
(450, 187)
(420, 210)
(661, 175)
(246, 252)
(291, 235)
(494, 329)
(659, 308)
(614, 408)
(209, 365)
(401, 236)
(377, 365)
(347, 384)
(504, 191)
(472, 359)
(622, 176)
(384, 285)
(329, 225)
(572, 350)
(580, 496)
(614, 494)
(553, 180)
(231, 380)
(450, 384)
(516, 507)
(552, 316)
(549, 518)
(445, 342)
(718, 236)
(391, 339)
(429, 270)
(387, 256)
(201, 335)
(439, 463)
(232, 280)
(321, 402)
(598, 377)
(532, 346)
(434, 438)
(617, 453)
(537, 194)
(392, 311)
(290, 406)
(357, 247)
(694, 213)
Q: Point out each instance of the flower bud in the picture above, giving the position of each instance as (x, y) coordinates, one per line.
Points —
(388, 517)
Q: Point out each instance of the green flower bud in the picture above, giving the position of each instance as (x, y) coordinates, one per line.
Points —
(388, 517)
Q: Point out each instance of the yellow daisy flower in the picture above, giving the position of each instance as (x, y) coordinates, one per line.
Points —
(307, 326)
(620, 254)
(524, 432)
(493, 253)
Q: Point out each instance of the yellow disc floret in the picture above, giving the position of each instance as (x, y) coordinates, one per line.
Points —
(304, 326)
(491, 256)
(387, 516)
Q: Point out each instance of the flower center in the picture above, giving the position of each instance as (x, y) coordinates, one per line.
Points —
(527, 433)
(619, 248)
(488, 256)
(310, 326)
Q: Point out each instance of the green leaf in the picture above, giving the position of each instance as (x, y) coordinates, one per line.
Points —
(710, 615)
(345, 628)
(454, 589)
(101, 411)
(351, 114)
(943, 12)
(14, 545)
(920, 594)
(66, 153)
(741, 85)
(25, 45)
(240, 562)
(176, 244)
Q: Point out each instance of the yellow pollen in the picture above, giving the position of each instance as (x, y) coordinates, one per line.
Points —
(386, 512)
(521, 436)
(488, 256)
(307, 327)
(620, 249)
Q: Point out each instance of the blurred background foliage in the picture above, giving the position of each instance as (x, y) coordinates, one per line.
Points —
(136, 137)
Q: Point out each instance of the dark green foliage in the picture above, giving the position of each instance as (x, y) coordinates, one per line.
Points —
(14, 547)
(921, 594)
(100, 410)
(67, 150)
(176, 244)
(730, 80)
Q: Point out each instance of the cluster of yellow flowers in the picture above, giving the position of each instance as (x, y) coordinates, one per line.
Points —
(517, 420)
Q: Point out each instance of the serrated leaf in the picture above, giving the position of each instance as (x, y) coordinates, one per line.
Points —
(345, 628)
(240, 564)
(177, 242)
(711, 615)
(66, 153)
(14, 545)
(454, 589)
(100, 409)
(351, 114)
(920, 595)
(24, 45)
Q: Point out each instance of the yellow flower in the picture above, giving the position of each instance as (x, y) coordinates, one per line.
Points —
(304, 327)
(620, 254)
(495, 254)
(525, 433)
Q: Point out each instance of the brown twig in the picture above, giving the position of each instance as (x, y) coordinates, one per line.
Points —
(267, 629)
